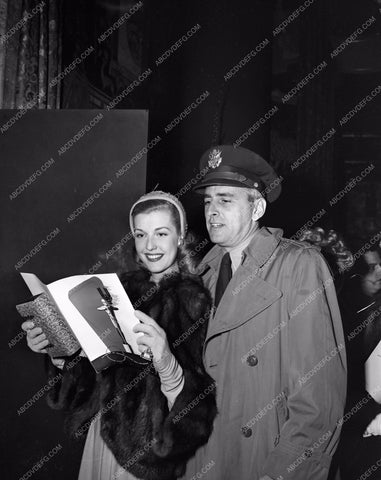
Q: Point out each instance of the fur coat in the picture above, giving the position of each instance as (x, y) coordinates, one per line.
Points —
(145, 437)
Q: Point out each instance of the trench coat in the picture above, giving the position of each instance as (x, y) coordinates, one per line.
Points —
(275, 347)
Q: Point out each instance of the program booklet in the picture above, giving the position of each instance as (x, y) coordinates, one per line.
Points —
(88, 311)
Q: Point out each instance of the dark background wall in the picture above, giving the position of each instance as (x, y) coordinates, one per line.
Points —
(227, 32)
(78, 246)
(225, 36)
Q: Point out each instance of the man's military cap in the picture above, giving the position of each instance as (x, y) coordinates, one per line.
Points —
(238, 167)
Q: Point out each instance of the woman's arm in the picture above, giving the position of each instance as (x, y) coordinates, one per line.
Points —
(190, 421)
(170, 372)
(71, 379)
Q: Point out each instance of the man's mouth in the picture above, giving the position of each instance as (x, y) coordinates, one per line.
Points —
(154, 257)
(215, 225)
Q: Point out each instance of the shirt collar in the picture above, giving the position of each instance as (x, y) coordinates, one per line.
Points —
(260, 248)
(236, 252)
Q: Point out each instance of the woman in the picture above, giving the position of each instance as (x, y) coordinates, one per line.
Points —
(153, 419)
(360, 443)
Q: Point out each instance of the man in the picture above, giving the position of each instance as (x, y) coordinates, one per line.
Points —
(275, 344)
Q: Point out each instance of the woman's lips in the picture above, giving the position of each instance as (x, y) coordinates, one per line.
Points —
(154, 257)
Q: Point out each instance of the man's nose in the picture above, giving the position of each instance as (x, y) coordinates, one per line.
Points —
(212, 210)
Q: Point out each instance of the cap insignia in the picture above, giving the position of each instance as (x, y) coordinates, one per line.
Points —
(214, 158)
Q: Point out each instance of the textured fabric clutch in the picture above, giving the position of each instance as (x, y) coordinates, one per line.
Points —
(46, 316)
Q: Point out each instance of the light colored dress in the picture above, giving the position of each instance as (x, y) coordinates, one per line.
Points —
(98, 461)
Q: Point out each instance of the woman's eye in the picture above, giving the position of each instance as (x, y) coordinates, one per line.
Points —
(225, 201)
(162, 234)
(138, 235)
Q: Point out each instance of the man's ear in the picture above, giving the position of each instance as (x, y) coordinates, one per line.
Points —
(258, 209)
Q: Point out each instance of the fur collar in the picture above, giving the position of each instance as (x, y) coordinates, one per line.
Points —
(180, 304)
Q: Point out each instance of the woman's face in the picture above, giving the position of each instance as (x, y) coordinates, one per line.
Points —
(370, 284)
(372, 280)
(156, 241)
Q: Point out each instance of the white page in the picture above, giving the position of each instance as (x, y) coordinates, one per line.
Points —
(373, 373)
(34, 283)
(87, 337)
(124, 314)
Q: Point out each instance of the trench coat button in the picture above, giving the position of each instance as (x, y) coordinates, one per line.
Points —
(308, 453)
(246, 432)
(252, 360)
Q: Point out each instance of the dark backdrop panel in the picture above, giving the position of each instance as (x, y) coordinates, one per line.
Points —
(92, 161)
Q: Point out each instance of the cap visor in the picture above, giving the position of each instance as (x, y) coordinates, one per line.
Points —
(217, 181)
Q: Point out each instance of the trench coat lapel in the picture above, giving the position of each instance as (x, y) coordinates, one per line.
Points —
(239, 304)
(247, 294)
(208, 268)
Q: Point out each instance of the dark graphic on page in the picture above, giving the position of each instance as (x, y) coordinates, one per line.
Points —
(95, 304)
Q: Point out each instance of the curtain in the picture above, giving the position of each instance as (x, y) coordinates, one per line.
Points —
(30, 53)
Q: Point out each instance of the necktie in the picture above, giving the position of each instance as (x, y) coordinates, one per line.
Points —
(224, 276)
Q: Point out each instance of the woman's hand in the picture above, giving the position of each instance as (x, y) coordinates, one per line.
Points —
(154, 338)
(58, 362)
(374, 428)
(36, 340)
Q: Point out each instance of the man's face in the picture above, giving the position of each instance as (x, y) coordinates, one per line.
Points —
(228, 214)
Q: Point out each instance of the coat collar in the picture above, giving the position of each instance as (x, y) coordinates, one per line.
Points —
(260, 249)
(262, 294)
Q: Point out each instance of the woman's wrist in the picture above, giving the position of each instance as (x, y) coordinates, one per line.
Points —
(162, 364)
(170, 373)
(171, 377)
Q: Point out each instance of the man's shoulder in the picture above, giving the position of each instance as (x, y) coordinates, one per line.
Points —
(291, 251)
(268, 240)
(285, 244)
(297, 244)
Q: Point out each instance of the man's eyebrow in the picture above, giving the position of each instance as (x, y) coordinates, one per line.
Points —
(225, 194)
(220, 194)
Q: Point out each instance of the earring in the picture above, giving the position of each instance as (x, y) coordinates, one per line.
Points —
(180, 241)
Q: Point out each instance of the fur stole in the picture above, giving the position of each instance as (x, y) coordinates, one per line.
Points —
(146, 438)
